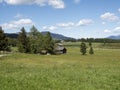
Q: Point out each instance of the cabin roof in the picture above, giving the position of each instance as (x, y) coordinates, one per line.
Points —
(59, 46)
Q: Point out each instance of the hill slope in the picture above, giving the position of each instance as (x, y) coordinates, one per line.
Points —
(54, 35)
(58, 36)
(114, 37)
(12, 35)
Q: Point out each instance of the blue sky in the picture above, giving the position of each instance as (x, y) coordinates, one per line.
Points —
(73, 18)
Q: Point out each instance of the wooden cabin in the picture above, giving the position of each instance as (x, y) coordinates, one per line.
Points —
(60, 49)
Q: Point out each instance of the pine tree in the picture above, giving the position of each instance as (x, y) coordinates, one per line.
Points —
(4, 46)
(49, 43)
(91, 51)
(23, 45)
(36, 40)
(83, 48)
(90, 44)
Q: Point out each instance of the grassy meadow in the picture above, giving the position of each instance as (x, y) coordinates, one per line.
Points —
(71, 71)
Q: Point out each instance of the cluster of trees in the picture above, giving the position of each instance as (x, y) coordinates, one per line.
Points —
(32, 42)
(35, 42)
(83, 48)
(4, 44)
(99, 40)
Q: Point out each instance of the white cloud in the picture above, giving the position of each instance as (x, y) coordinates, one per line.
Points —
(23, 22)
(18, 16)
(49, 27)
(19, 2)
(59, 4)
(103, 23)
(44, 27)
(13, 25)
(56, 3)
(77, 1)
(41, 2)
(85, 22)
(117, 30)
(69, 25)
(109, 16)
(66, 25)
(107, 31)
(119, 9)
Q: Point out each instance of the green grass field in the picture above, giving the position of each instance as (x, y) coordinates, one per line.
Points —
(71, 71)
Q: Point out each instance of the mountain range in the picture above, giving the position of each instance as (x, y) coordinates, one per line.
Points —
(54, 36)
(114, 37)
(57, 36)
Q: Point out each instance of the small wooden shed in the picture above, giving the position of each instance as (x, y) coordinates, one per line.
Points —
(60, 49)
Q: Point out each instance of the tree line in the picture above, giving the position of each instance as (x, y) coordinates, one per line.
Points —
(4, 45)
(97, 40)
(34, 42)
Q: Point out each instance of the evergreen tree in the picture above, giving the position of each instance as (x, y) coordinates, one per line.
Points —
(49, 43)
(23, 45)
(90, 44)
(12, 42)
(83, 48)
(36, 40)
(4, 46)
(91, 51)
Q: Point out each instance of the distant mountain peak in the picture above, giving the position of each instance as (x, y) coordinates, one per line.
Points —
(58, 36)
(54, 36)
(114, 37)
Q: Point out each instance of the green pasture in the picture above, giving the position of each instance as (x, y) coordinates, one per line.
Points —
(71, 71)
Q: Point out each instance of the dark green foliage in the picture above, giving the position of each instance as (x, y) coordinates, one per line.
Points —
(12, 42)
(99, 40)
(23, 45)
(49, 43)
(91, 51)
(12, 35)
(90, 44)
(4, 46)
(36, 40)
(83, 48)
